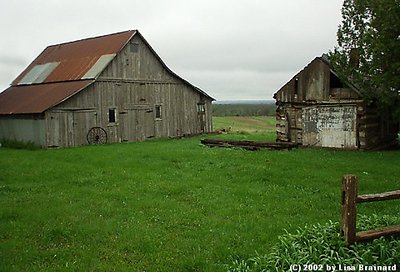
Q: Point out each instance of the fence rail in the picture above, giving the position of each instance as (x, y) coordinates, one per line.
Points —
(378, 197)
(350, 199)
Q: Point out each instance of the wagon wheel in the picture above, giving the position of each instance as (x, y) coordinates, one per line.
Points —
(97, 135)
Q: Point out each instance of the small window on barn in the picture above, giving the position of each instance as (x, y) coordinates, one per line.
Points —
(157, 110)
(111, 116)
(296, 86)
(201, 108)
(134, 47)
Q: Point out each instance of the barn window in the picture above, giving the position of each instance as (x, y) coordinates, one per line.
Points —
(134, 47)
(158, 114)
(296, 86)
(111, 116)
(201, 108)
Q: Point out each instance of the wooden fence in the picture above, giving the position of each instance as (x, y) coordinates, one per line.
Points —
(350, 199)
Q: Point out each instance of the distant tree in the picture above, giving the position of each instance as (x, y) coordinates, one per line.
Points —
(368, 51)
(244, 109)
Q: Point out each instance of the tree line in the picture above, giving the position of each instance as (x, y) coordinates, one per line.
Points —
(243, 109)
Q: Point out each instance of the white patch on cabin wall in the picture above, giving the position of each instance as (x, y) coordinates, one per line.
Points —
(330, 126)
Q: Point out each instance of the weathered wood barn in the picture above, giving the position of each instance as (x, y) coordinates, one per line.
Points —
(316, 108)
(113, 88)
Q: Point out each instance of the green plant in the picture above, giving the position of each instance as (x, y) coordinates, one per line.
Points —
(322, 245)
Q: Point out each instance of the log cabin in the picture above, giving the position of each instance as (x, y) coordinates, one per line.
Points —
(317, 109)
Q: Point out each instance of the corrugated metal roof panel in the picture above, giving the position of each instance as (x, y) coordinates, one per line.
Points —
(37, 98)
(99, 66)
(75, 58)
(38, 73)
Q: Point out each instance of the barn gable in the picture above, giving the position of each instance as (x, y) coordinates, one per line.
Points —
(116, 82)
(142, 63)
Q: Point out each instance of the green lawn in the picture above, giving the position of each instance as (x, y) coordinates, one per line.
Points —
(170, 205)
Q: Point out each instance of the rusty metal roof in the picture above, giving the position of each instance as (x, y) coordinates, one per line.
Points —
(83, 59)
(62, 70)
(37, 98)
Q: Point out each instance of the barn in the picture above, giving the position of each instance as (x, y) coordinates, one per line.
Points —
(112, 88)
(316, 108)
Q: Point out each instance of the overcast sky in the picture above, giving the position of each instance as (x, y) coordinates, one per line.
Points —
(232, 49)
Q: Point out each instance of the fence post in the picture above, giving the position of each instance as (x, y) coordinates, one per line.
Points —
(349, 196)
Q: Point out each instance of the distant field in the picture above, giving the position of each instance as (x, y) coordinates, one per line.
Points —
(249, 124)
(261, 126)
(171, 205)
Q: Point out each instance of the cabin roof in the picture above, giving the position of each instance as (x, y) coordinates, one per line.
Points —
(63, 70)
(324, 60)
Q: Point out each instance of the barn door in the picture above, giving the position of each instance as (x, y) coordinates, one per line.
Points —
(149, 123)
(130, 126)
(138, 124)
(124, 119)
(83, 122)
(60, 132)
(144, 120)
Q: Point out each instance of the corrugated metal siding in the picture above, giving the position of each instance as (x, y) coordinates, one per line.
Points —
(26, 128)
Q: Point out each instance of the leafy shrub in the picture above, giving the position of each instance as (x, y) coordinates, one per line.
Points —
(323, 245)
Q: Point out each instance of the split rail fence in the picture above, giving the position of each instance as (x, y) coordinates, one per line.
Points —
(350, 199)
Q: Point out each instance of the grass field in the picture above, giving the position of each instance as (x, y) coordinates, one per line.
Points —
(170, 205)
(240, 123)
(261, 128)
